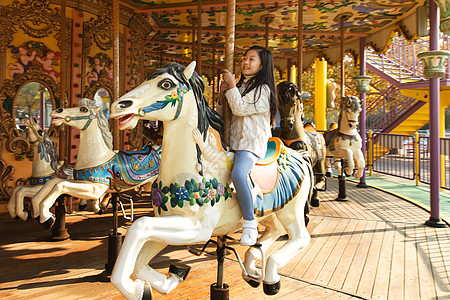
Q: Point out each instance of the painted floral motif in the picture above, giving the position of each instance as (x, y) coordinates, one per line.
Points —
(195, 193)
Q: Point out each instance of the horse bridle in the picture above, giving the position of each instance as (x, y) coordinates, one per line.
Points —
(161, 104)
(89, 118)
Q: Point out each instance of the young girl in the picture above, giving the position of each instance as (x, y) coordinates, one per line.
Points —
(253, 103)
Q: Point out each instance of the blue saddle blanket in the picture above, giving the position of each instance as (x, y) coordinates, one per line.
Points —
(288, 184)
(138, 166)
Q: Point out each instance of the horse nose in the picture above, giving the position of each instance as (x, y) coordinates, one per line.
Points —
(59, 110)
(124, 104)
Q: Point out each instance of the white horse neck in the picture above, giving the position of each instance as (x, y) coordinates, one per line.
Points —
(179, 152)
(344, 128)
(40, 167)
(93, 150)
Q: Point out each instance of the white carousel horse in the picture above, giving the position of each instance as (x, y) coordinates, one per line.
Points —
(192, 206)
(45, 163)
(44, 166)
(344, 142)
(301, 137)
(99, 170)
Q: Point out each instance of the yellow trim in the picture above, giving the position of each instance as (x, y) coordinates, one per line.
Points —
(274, 157)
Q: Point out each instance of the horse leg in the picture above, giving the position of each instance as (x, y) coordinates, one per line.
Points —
(292, 219)
(25, 191)
(337, 165)
(39, 196)
(351, 163)
(145, 238)
(11, 206)
(82, 190)
(272, 232)
(360, 163)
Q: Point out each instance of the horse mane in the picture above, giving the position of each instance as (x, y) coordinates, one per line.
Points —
(355, 105)
(206, 115)
(102, 121)
(50, 149)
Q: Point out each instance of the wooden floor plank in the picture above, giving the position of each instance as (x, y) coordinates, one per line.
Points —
(396, 283)
(315, 268)
(381, 284)
(338, 278)
(373, 246)
(334, 258)
(359, 259)
(411, 270)
(367, 280)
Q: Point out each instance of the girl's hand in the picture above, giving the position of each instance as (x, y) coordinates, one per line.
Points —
(229, 79)
(223, 87)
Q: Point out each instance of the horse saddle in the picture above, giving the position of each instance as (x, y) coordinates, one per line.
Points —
(265, 172)
(138, 166)
(279, 175)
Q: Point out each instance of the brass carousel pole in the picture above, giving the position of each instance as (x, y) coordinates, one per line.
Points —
(115, 238)
(342, 59)
(229, 63)
(219, 289)
(214, 73)
(300, 45)
(199, 37)
(342, 195)
(59, 231)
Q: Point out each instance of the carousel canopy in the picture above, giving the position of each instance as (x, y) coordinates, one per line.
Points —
(375, 20)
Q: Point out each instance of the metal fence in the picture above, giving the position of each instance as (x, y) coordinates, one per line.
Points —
(406, 156)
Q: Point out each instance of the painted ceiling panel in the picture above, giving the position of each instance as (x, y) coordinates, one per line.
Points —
(172, 24)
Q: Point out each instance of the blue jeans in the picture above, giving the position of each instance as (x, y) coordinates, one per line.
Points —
(243, 164)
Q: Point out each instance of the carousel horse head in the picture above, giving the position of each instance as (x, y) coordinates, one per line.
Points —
(171, 94)
(165, 96)
(35, 132)
(289, 103)
(88, 113)
(350, 109)
(46, 150)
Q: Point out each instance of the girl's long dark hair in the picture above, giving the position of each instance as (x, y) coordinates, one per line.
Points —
(264, 76)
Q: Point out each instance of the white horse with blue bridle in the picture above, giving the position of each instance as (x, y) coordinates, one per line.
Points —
(99, 170)
(192, 196)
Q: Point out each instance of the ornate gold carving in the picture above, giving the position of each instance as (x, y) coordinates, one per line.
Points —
(102, 82)
(99, 30)
(8, 130)
(34, 17)
(6, 173)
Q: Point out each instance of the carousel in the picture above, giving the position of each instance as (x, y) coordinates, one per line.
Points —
(110, 106)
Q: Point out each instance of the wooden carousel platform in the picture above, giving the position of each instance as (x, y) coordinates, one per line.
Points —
(373, 246)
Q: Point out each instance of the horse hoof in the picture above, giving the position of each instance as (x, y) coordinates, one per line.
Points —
(180, 272)
(100, 212)
(253, 283)
(82, 207)
(49, 223)
(147, 294)
(328, 174)
(315, 202)
(272, 288)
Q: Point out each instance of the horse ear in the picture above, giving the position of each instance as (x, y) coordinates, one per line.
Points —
(190, 70)
(349, 102)
(28, 124)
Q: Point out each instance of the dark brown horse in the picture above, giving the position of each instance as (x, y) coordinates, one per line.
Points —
(301, 137)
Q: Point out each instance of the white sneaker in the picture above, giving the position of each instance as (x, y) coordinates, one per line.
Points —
(249, 232)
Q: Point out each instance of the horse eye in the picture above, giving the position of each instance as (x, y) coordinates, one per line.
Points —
(83, 109)
(166, 84)
(40, 132)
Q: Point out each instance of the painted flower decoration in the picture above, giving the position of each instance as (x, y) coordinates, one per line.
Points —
(181, 193)
(211, 194)
(220, 189)
(156, 197)
(174, 95)
(196, 195)
(201, 186)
